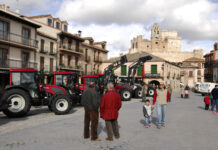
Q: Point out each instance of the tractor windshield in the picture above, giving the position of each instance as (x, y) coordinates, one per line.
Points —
(27, 80)
(65, 80)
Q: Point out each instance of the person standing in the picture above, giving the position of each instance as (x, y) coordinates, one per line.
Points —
(161, 97)
(109, 110)
(215, 98)
(91, 102)
(207, 102)
(170, 91)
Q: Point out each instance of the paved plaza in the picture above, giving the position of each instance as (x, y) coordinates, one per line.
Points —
(188, 127)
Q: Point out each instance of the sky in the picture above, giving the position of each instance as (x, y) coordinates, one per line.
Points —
(118, 21)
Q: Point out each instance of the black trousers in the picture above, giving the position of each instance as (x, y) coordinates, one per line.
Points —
(207, 106)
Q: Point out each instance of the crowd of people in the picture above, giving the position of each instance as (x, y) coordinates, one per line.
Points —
(110, 103)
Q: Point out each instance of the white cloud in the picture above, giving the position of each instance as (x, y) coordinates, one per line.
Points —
(116, 21)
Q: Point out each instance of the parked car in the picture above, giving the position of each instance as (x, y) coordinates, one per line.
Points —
(206, 87)
(197, 87)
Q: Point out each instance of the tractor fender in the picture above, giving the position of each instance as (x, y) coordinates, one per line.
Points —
(55, 90)
(9, 87)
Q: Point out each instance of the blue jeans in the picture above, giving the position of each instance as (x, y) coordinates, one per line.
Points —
(213, 103)
(148, 120)
(161, 111)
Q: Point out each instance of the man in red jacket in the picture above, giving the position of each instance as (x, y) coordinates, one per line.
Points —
(109, 107)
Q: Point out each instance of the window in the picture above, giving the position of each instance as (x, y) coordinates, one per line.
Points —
(69, 60)
(136, 44)
(42, 44)
(199, 72)
(86, 54)
(190, 73)
(25, 59)
(76, 61)
(139, 70)
(3, 57)
(65, 27)
(42, 63)
(153, 69)
(156, 42)
(58, 25)
(51, 64)
(51, 47)
(86, 69)
(199, 65)
(26, 36)
(4, 26)
(132, 45)
(49, 22)
(123, 70)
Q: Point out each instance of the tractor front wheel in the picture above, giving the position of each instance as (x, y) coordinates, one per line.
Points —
(138, 93)
(20, 103)
(61, 105)
(125, 94)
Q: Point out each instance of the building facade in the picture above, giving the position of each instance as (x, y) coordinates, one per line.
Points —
(155, 71)
(18, 42)
(95, 53)
(164, 44)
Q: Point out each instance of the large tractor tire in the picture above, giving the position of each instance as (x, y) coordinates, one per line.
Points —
(138, 92)
(61, 105)
(20, 103)
(151, 92)
(125, 94)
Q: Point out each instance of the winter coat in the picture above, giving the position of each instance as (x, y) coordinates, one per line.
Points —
(215, 93)
(167, 98)
(147, 111)
(207, 100)
(90, 99)
(110, 105)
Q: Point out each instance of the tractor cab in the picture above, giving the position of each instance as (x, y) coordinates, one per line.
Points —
(69, 81)
(25, 78)
(86, 80)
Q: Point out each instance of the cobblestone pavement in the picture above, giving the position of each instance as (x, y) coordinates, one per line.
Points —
(188, 127)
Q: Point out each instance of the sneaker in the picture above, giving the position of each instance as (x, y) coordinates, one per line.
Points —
(158, 126)
(163, 125)
(97, 139)
(109, 139)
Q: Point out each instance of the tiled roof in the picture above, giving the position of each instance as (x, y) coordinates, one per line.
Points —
(194, 59)
(94, 46)
(135, 56)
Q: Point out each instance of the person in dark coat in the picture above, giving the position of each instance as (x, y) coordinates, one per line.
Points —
(109, 107)
(215, 98)
(91, 102)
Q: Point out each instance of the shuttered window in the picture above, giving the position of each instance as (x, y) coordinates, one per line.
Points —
(123, 70)
(139, 71)
(153, 69)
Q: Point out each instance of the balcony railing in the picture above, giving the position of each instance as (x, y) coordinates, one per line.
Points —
(11, 63)
(71, 67)
(12, 37)
(98, 60)
(70, 49)
(150, 75)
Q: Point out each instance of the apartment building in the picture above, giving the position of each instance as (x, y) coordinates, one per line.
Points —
(215, 67)
(95, 53)
(18, 42)
(46, 53)
(155, 71)
(69, 50)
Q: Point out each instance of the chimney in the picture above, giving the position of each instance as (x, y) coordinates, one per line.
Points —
(79, 33)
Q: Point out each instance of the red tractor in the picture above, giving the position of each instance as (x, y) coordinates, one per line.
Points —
(70, 82)
(25, 90)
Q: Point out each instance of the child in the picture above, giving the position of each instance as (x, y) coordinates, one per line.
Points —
(207, 101)
(147, 111)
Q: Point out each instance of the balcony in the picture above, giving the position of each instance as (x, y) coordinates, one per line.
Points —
(70, 67)
(17, 40)
(150, 75)
(11, 63)
(65, 48)
(97, 60)
(87, 59)
(43, 51)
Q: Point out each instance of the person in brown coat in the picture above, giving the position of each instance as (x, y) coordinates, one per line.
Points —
(91, 102)
(109, 110)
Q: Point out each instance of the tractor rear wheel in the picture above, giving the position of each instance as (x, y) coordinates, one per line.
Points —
(125, 94)
(61, 105)
(20, 103)
(138, 93)
(151, 92)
